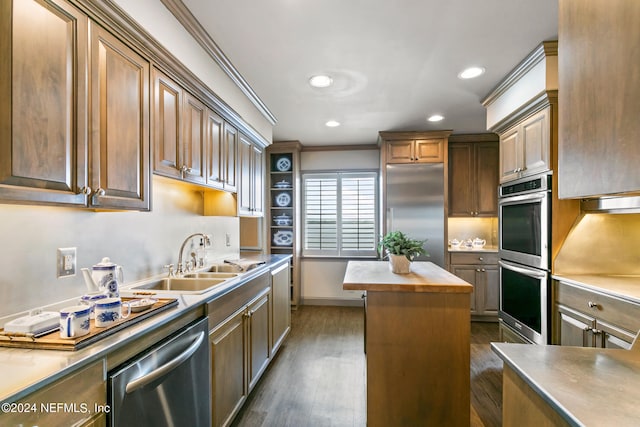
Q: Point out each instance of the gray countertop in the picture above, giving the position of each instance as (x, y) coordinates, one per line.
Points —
(586, 386)
(24, 370)
(483, 249)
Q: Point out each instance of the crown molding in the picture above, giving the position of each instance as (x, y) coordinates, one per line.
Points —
(197, 31)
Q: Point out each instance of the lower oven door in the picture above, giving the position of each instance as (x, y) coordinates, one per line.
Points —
(524, 306)
(168, 385)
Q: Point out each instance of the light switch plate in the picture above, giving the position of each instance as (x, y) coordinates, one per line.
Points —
(66, 265)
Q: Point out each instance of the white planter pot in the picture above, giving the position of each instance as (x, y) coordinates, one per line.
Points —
(399, 264)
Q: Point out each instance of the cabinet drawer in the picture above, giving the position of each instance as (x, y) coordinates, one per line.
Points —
(618, 312)
(473, 258)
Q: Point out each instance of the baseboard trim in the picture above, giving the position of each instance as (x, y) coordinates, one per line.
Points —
(332, 301)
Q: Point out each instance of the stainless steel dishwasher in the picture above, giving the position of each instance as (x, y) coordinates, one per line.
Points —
(167, 385)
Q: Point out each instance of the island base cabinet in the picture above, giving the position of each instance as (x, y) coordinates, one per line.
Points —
(418, 363)
(523, 407)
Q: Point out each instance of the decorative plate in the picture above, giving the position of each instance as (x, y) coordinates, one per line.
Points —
(283, 200)
(283, 164)
(282, 184)
(282, 220)
(283, 238)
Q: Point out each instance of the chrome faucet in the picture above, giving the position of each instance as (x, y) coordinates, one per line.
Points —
(207, 241)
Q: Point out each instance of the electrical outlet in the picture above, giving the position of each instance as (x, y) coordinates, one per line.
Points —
(227, 239)
(66, 265)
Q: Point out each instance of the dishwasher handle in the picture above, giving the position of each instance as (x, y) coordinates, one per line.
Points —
(166, 368)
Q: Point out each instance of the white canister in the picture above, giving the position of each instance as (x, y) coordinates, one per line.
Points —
(74, 321)
(109, 310)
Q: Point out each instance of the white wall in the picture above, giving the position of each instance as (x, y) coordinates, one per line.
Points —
(142, 242)
(321, 279)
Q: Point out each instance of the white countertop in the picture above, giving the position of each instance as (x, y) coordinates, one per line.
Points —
(25, 370)
(586, 386)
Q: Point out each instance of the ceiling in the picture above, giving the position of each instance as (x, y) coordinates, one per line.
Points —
(393, 62)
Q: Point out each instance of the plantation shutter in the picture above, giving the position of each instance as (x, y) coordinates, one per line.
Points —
(339, 214)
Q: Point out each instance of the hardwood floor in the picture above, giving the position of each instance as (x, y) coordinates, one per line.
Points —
(318, 377)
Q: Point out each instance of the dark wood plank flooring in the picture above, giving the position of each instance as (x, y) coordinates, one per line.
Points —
(318, 377)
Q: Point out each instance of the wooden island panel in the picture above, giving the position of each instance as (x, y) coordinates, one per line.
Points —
(417, 344)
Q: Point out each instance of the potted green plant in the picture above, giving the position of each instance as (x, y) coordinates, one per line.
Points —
(401, 249)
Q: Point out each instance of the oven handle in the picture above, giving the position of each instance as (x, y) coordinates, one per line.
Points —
(166, 368)
(523, 198)
(526, 271)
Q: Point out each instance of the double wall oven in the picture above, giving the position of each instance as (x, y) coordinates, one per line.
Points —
(524, 215)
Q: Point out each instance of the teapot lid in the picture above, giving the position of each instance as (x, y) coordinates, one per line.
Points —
(105, 264)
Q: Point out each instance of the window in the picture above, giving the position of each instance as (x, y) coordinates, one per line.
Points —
(340, 214)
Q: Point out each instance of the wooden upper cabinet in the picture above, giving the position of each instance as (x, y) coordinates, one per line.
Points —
(251, 178)
(415, 151)
(43, 102)
(599, 89)
(216, 147)
(525, 148)
(119, 124)
(167, 129)
(473, 176)
(194, 140)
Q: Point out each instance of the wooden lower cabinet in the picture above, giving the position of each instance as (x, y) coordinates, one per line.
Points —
(587, 318)
(481, 270)
(240, 352)
(281, 305)
(82, 392)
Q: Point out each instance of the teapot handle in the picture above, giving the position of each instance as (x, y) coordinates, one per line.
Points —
(119, 275)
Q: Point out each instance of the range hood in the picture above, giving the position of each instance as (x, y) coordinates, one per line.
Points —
(612, 204)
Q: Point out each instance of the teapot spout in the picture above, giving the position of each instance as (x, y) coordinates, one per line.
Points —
(88, 280)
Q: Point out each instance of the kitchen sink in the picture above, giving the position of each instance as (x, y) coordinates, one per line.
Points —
(182, 285)
(210, 275)
(225, 268)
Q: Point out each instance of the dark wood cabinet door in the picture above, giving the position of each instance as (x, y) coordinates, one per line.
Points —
(491, 289)
(228, 385)
(599, 81)
(257, 187)
(575, 328)
(486, 178)
(43, 102)
(231, 153)
(216, 161)
(119, 124)
(468, 274)
(245, 153)
(194, 122)
(167, 135)
(461, 182)
(259, 339)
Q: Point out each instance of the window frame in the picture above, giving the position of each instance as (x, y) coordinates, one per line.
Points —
(339, 252)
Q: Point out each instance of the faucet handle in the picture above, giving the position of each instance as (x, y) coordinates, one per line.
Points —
(170, 268)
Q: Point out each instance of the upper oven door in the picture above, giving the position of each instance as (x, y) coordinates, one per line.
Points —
(524, 229)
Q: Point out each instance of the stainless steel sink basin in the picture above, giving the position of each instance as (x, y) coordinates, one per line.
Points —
(210, 275)
(225, 268)
(180, 285)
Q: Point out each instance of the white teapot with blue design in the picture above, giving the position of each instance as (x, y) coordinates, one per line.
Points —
(104, 277)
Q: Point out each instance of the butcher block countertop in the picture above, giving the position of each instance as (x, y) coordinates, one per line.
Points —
(424, 277)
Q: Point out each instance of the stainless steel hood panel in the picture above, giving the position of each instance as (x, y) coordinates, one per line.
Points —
(622, 204)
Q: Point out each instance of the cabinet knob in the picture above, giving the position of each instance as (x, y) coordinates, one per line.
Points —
(86, 190)
(480, 258)
(478, 270)
(592, 304)
(184, 170)
(100, 192)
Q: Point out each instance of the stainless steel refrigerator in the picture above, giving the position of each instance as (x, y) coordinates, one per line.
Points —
(414, 195)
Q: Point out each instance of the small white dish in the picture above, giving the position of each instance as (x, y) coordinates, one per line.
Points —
(142, 304)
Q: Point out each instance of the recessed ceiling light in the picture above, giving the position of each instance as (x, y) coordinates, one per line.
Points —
(471, 72)
(320, 80)
(436, 118)
(332, 123)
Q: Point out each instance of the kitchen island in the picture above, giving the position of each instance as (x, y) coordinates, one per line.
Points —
(569, 386)
(417, 344)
